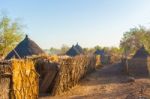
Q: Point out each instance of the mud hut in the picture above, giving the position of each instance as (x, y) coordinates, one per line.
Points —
(27, 47)
(139, 65)
(141, 53)
(75, 50)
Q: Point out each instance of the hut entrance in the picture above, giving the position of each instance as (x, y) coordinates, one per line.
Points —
(48, 72)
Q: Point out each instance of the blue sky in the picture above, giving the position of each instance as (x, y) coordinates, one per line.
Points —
(88, 22)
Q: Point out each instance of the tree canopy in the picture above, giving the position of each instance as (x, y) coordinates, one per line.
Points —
(10, 34)
(134, 39)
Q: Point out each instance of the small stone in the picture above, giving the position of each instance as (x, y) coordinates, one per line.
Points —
(131, 79)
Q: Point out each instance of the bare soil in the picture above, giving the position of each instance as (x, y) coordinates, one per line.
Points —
(108, 83)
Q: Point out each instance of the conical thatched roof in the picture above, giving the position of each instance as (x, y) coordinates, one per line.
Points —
(75, 50)
(27, 47)
(79, 48)
(141, 53)
(72, 51)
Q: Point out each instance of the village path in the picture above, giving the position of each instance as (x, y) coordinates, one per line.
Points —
(107, 83)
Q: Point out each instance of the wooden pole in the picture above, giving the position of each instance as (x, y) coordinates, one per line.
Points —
(17, 54)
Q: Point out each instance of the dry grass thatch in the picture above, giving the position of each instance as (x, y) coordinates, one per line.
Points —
(71, 71)
(25, 80)
(58, 75)
(25, 48)
(18, 80)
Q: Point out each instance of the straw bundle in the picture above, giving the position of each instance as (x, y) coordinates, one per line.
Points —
(25, 80)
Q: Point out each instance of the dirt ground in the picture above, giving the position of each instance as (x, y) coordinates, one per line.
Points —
(108, 83)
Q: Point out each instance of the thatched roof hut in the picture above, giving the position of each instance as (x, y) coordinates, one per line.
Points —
(141, 53)
(139, 65)
(75, 50)
(27, 47)
(79, 48)
(72, 51)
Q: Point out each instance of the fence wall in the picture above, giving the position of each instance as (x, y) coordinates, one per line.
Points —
(5, 80)
(25, 80)
(4, 87)
(137, 66)
(18, 80)
(71, 71)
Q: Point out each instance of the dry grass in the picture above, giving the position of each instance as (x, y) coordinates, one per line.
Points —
(25, 80)
(71, 71)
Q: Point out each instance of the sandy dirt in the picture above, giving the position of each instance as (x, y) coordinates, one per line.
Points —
(108, 83)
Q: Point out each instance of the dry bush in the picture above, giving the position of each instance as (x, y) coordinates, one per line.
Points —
(115, 59)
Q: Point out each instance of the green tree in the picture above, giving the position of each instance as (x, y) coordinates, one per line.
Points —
(134, 39)
(106, 49)
(10, 34)
(97, 47)
(146, 40)
(64, 48)
(115, 51)
(85, 50)
(54, 51)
